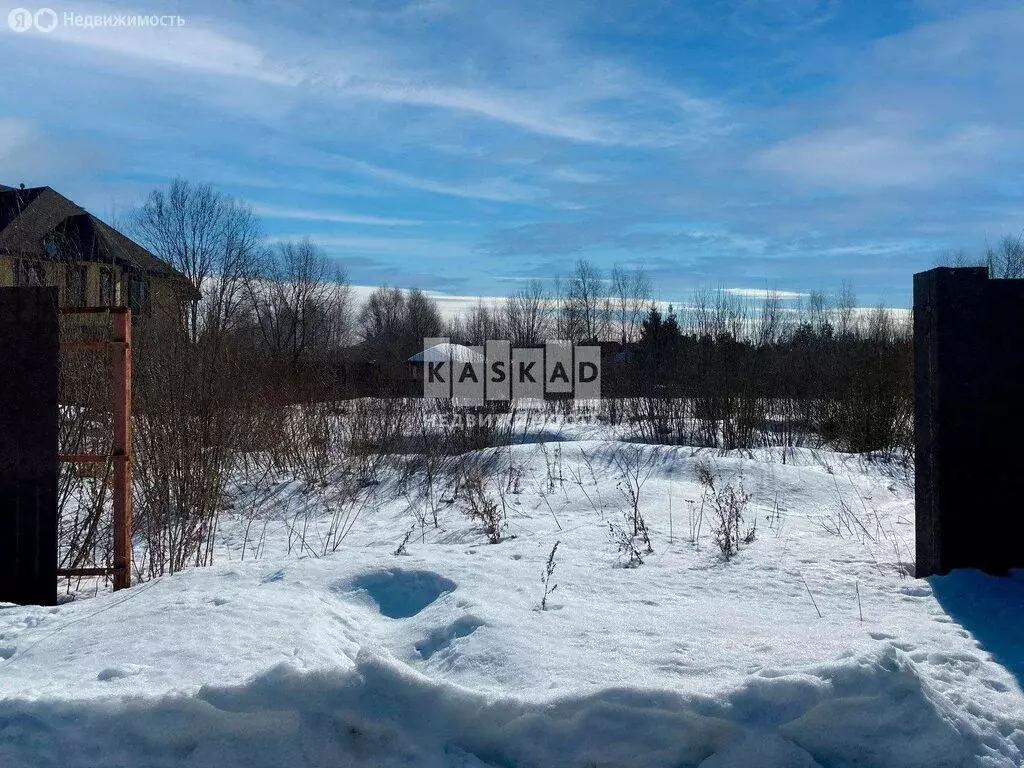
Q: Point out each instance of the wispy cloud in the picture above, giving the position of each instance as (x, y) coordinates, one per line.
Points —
(194, 46)
(410, 246)
(305, 214)
(14, 133)
(924, 106)
(764, 293)
(863, 158)
(517, 111)
(499, 190)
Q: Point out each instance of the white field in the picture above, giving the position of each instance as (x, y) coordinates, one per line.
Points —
(812, 647)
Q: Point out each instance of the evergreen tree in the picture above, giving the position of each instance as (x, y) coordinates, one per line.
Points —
(660, 347)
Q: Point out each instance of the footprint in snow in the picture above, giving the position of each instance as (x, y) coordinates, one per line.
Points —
(995, 685)
(117, 673)
(401, 594)
(7, 652)
(442, 638)
(917, 591)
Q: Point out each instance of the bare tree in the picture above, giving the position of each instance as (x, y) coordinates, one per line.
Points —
(846, 311)
(717, 313)
(702, 314)
(820, 313)
(480, 323)
(567, 322)
(422, 319)
(588, 302)
(210, 238)
(382, 315)
(1007, 261)
(737, 314)
(299, 303)
(960, 258)
(397, 323)
(632, 290)
(769, 326)
(528, 314)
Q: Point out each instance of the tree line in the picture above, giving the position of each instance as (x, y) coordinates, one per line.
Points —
(258, 371)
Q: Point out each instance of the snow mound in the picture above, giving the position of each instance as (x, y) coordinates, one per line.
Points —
(871, 711)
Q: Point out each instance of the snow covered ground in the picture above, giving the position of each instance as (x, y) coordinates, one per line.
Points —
(812, 647)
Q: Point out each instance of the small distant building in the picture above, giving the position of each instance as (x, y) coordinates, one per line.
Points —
(46, 239)
(440, 353)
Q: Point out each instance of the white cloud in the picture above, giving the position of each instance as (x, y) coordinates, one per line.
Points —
(935, 103)
(498, 190)
(14, 134)
(31, 156)
(193, 46)
(763, 293)
(274, 212)
(553, 92)
(519, 112)
(365, 244)
(860, 158)
(574, 176)
(343, 245)
(452, 305)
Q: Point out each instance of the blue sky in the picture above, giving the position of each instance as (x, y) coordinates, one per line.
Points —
(465, 147)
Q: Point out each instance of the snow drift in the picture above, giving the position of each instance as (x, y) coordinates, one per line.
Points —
(873, 711)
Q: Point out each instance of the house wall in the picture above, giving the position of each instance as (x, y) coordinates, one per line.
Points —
(92, 280)
(162, 293)
(55, 277)
(163, 298)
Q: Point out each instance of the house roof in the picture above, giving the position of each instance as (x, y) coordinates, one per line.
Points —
(442, 353)
(32, 218)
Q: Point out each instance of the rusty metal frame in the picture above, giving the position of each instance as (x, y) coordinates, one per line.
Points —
(120, 345)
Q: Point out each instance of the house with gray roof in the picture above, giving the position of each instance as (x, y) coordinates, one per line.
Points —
(46, 239)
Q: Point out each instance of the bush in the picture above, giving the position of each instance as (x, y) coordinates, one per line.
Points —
(726, 502)
(481, 507)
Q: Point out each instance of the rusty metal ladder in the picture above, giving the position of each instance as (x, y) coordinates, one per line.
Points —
(120, 344)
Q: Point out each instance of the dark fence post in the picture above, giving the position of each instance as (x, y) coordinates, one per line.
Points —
(968, 403)
(29, 382)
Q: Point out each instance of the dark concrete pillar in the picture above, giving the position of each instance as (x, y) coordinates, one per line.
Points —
(968, 375)
(28, 445)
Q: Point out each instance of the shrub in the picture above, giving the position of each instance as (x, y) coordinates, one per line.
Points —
(481, 507)
(549, 572)
(726, 502)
